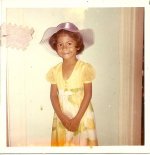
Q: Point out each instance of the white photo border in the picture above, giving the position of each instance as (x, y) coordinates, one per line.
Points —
(77, 3)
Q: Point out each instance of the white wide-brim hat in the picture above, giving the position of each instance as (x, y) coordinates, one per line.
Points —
(87, 34)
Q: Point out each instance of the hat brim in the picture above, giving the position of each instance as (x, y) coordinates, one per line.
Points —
(87, 35)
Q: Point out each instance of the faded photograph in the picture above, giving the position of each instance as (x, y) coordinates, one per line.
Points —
(116, 55)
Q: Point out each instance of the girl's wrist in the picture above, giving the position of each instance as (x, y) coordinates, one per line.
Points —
(78, 117)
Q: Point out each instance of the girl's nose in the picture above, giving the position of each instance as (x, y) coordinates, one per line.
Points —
(64, 46)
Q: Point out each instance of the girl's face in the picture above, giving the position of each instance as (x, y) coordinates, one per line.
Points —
(66, 47)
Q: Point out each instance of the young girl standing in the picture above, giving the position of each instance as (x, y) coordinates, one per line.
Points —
(71, 87)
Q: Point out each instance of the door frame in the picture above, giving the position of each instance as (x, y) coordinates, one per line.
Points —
(131, 71)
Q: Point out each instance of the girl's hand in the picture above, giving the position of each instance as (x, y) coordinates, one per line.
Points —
(66, 122)
(70, 124)
(74, 124)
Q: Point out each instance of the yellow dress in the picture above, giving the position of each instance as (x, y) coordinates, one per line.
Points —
(71, 92)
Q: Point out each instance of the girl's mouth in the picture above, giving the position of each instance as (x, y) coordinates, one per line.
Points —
(66, 53)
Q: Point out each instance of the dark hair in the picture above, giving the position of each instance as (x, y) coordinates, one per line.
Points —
(75, 35)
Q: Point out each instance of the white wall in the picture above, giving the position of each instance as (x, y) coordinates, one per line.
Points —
(30, 110)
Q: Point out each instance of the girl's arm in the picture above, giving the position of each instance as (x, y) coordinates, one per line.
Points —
(84, 104)
(56, 105)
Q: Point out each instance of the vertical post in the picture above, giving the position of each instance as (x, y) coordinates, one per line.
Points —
(138, 62)
(131, 52)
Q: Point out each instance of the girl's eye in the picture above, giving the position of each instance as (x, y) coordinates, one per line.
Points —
(59, 45)
(69, 43)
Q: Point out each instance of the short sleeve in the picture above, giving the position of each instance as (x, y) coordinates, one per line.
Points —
(88, 73)
(50, 76)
